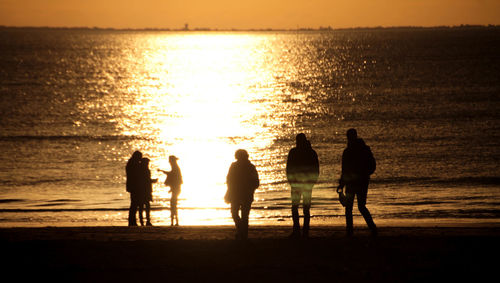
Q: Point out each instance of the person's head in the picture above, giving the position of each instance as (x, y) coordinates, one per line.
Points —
(352, 137)
(241, 155)
(352, 134)
(301, 140)
(145, 161)
(172, 159)
(137, 155)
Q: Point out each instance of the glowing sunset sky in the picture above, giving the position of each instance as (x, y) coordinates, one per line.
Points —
(223, 14)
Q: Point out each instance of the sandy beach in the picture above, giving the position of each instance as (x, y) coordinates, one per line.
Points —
(209, 253)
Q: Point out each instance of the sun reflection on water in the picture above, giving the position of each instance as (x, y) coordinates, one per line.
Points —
(195, 100)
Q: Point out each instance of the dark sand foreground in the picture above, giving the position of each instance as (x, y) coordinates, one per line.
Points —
(209, 254)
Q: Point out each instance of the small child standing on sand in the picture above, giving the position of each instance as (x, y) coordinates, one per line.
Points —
(174, 181)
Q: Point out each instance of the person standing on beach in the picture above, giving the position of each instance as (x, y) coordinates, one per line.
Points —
(242, 181)
(134, 186)
(147, 192)
(302, 171)
(358, 164)
(174, 181)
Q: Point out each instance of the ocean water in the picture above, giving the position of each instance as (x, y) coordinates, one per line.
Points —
(75, 104)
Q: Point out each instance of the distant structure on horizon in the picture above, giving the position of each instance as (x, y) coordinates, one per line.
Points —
(186, 28)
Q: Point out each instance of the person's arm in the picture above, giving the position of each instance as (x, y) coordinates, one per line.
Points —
(255, 176)
(290, 166)
(316, 165)
(229, 177)
(228, 195)
(341, 180)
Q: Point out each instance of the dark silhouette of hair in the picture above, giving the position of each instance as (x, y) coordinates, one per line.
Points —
(352, 134)
(301, 140)
(137, 155)
(241, 154)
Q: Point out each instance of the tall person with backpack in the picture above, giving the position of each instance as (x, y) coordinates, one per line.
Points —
(358, 164)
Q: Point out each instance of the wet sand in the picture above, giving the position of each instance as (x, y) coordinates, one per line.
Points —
(210, 254)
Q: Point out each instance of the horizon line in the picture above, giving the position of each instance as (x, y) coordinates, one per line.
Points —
(320, 28)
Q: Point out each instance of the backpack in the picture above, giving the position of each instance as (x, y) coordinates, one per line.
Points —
(367, 158)
(371, 164)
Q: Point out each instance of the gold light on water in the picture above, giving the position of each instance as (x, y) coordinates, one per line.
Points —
(195, 100)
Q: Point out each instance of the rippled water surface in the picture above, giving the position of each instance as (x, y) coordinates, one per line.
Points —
(75, 104)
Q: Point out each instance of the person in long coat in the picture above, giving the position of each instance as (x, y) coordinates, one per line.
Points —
(242, 181)
(134, 186)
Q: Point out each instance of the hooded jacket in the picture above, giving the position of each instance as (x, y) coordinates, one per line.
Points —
(302, 164)
(358, 162)
(242, 181)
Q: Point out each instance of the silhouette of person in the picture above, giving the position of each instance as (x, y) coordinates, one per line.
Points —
(302, 171)
(147, 192)
(174, 181)
(134, 186)
(358, 164)
(242, 181)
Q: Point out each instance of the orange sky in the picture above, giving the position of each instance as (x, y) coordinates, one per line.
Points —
(244, 14)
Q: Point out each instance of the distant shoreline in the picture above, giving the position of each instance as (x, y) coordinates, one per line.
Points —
(322, 29)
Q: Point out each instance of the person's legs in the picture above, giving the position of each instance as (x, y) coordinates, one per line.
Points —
(235, 207)
(174, 200)
(148, 213)
(141, 209)
(132, 211)
(173, 208)
(295, 194)
(176, 209)
(349, 203)
(307, 217)
(245, 211)
(306, 202)
(362, 195)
